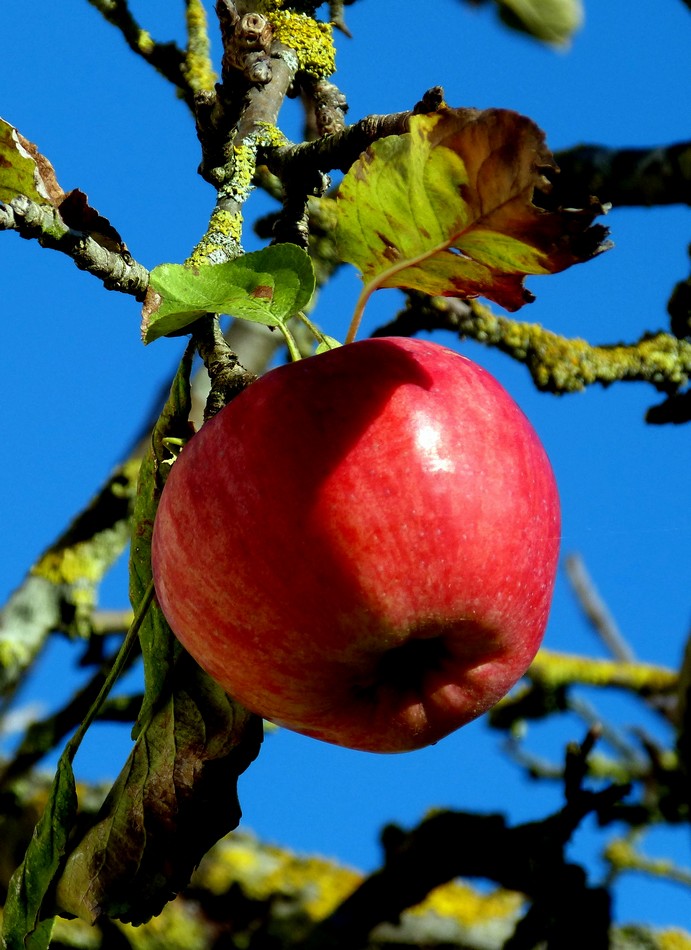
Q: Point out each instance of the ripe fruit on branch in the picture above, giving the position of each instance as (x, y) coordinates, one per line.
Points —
(362, 545)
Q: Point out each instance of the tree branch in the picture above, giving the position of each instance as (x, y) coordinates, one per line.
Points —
(626, 176)
(527, 858)
(198, 69)
(59, 591)
(341, 149)
(557, 364)
(596, 610)
(236, 122)
(228, 377)
(554, 670)
(44, 223)
(166, 58)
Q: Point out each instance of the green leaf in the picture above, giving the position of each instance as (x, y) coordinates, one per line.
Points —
(551, 21)
(24, 925)
(267, 286)
(448, 209)
(326, 344)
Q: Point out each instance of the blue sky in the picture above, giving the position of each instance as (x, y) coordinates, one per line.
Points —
(78, 379)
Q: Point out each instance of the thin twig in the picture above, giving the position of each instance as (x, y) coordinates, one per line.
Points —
(166, 58)
(596, 610)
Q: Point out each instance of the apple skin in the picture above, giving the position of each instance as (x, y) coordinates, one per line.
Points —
(362, 545)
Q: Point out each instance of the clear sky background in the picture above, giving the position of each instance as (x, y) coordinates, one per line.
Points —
(78, 380)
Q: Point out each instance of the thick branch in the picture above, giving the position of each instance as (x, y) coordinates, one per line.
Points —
(230, 145)
(44, 223)
(528, 858)
(59, 591)
(228, 377)
(557, 364)
(627, 176)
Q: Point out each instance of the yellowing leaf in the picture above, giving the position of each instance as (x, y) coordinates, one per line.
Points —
(449, 209)
(24, 170)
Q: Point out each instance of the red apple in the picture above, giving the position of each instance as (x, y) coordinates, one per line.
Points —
(362, 545)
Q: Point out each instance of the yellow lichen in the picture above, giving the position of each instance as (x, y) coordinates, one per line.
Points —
(198, 69)
(468, 906)
(182, 927)
(319, 885)
(245, 161)
(553, 670)
(562, 364)
(221, 241)
(82, 564)
(67, 566)
(268, 135)
(145, 43)
(310, 39)
(674, 940)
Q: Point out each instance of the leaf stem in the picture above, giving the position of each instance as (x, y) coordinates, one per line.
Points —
(290, 342)
(116, 669)
(382, 280)
(356, 319)
(313, 328)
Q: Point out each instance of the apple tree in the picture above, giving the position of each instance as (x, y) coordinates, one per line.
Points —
(454, 208)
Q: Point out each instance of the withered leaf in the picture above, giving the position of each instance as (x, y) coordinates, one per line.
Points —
(177, 793)
(24, 170)
(459, 206)
(175, 797)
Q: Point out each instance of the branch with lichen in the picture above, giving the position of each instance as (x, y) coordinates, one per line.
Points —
(526, 858)
(167, 59)
(44, 223)
(553, 670)
(59, 592)
(197, 68)
(236, 121)
(557, 364)
(622, 856)
(547, 689)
